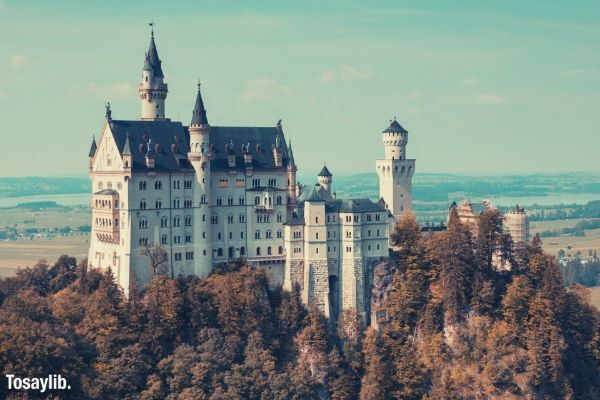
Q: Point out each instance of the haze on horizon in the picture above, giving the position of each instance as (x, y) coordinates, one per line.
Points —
(480, 89)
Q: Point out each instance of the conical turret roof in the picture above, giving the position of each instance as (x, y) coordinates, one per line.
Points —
(199, 113)
(152, 62)
(325, 172)
(395, 127)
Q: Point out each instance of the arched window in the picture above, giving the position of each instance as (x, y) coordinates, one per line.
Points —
(269, 251)
(242, 251)
(278, 200)
(258, 251)
(280, 250)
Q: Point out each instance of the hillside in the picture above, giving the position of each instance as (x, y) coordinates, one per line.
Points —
(450, 327)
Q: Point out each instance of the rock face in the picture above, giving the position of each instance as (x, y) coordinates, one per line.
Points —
(381, 285)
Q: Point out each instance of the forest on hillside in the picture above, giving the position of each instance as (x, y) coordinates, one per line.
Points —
(451, 327)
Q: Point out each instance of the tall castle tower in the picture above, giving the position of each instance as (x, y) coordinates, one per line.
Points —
(199, 156)
(152, 89)
(395, 171)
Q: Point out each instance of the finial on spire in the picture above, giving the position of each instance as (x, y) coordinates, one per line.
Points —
(151, 25)
(108, 113)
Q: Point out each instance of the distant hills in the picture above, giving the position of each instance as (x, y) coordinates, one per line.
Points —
(427, 187)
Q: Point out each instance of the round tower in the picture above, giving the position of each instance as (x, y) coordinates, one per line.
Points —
(394, 139)
(199, 156)
(152, 89)
(325, 179)
(395, 172)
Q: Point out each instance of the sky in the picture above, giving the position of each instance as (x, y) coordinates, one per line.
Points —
(495, 87)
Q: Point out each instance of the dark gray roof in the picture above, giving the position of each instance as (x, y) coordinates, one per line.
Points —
(93, 147)
(353, 206)
(395, 127)
(152, 62)
(259, 142)
(107, 192)
(199, 113)
(297, 218)
(170, 142)
(325, 172)
(314, 194)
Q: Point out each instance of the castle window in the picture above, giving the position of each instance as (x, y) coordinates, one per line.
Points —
(177, 239)
(369, 233)
(176, 221)
(187, 204)
(142, 204)
(203, 217)
(230, 219)
(268, 235)
(257, 201)
(203, 199)
(356, 218)
(163, 239)
(204, 252)
(176, 203)
(258, 251)
(279, 234)
(377, 246)
(241, 235)
(273, 182)
(348, 218)
(230, 235)
(255, 183)
(214, 219)
(176, 184)
(158, 204)
(230, 201)
(377, 217)
(189, 255)
(219, 201)
(316, 220)
(269, 252)
(219, 236)
(317, 235)
(188, 220)
(241, 201)
(242, 251)
(142, 185)
(279, 218)
(203, 235)
(368, 217)
(187, 184)
(177, 256)
(369, 247)
(317, 250)
(242, 219)
(257, 235)
(157, 185)
(280, 250)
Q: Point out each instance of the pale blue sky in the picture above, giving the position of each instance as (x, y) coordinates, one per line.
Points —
(481, 88)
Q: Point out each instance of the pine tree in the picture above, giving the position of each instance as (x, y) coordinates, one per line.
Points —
(376, 382)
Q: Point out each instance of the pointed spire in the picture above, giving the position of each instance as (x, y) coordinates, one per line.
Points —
(93, 147)
(199, 113)
(325, 172)
(127, 147)
(152, 62)
(291, 162)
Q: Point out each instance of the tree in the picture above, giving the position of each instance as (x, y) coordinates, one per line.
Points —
(158, 259)
(376, 382)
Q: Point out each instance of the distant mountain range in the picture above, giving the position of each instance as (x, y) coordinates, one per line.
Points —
(427, 187)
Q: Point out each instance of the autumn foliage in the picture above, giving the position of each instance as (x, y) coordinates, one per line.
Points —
(452, 327)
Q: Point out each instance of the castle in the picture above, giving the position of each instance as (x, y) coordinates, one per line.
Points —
(208, 194)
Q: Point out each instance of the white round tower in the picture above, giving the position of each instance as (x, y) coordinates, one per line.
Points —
(152, 89)
(325, 179)
(394, 139)
(199, 156)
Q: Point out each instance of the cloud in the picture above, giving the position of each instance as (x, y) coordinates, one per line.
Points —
(470, 82)
(346, 73)
(573, 72)
(263, 90)
(491, 99)
(17, 61)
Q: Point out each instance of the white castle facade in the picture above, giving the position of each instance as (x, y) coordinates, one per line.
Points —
(209, 194)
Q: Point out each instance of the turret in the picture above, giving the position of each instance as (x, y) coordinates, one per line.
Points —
(152, 89)
(395, 172)
(325, 179)
(291, 172)
(126, 154)
(199, 129)
(395, 138)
